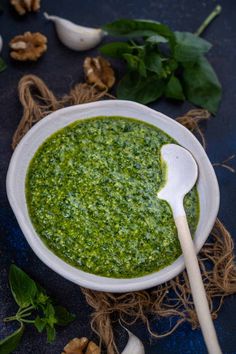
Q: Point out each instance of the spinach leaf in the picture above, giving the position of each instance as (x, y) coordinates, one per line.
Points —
(23, 288)
(63, 316)
(174, 89)
(116, 49)
(189, 47)
(3, 65)
(201, 85)
(10, 343)
(133, 87)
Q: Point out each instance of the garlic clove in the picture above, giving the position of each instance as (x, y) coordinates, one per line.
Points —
(134, 344)
(1, 43)
(76, 37)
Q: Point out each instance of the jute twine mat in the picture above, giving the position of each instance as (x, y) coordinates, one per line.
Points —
(172, 299)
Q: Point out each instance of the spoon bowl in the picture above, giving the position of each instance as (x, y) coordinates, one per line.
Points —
(182, 173)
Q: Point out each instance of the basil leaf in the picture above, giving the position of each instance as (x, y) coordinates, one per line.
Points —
(23, 288)
(10, 343)
(3, 65)
(201, 85)
(153, 62)
(116, 49)
(63, 316)
(40, 323)
(155, 39)
(174, 89)
(135, 63)
(189, 47)
(133, 87)
(51, 333)
(138, 28)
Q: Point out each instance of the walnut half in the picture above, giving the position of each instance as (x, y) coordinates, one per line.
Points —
(28, 46)
(23, 6)
(78, 346)
(98, 71)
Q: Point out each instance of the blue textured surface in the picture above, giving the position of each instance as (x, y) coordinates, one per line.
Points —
(61, 68)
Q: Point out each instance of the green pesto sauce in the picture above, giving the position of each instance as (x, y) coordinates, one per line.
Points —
(91, 191)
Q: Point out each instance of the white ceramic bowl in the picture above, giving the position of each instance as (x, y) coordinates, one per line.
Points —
(207, 187)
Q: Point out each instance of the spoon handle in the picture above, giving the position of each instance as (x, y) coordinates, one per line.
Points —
(197, 287)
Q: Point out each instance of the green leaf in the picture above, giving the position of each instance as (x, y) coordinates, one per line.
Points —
(3, 65)
(135, 63)
(63, 316)
(153, 62)
(10, 343)
(201, 85)
(49, 313)
(174, 89)
(23, 288)
(138, 28)
(135, 88)
(155, 39)
(116, 49)
(40, 323)
(51, 333)
(189, 47)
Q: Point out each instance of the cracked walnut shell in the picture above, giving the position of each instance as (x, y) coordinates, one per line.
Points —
(78, 346)
(98, 71)
(28, 46)
(23, 6)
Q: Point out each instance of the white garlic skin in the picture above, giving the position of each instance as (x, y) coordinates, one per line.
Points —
(134, 345)
(76, 37)
(1, 43)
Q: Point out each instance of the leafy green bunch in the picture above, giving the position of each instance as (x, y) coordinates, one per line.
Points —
(161, 62)
(35, 307)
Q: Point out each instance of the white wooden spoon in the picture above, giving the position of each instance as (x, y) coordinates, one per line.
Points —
(182, 173)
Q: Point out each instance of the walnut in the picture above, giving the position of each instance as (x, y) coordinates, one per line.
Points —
(23, 6)
(98, 71)
(92, 348)
(28, 46)
(78, 346)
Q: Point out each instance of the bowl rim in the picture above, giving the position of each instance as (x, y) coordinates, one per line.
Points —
(69, 272)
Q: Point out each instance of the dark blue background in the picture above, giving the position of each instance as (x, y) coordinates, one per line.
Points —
(61, 68)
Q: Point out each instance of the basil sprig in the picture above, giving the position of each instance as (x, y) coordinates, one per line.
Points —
(35, 308)
(161, 62)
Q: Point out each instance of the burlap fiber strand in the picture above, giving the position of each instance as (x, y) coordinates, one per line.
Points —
(172, 299)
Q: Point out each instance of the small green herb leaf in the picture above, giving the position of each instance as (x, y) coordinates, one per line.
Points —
(23, 288)
(174, 89)
(153, 62)
(10, 343)
(138, 28)
(202, 86)
(135, 64)
(116, 49)
(63, 316)
(189, 47)
(133, 87)
(40, 323)
(155, 39)
(51, 333)
(3, 65)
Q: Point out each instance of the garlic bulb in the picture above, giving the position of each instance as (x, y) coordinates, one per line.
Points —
(134, 345)
(74, 36)
(0, 43)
